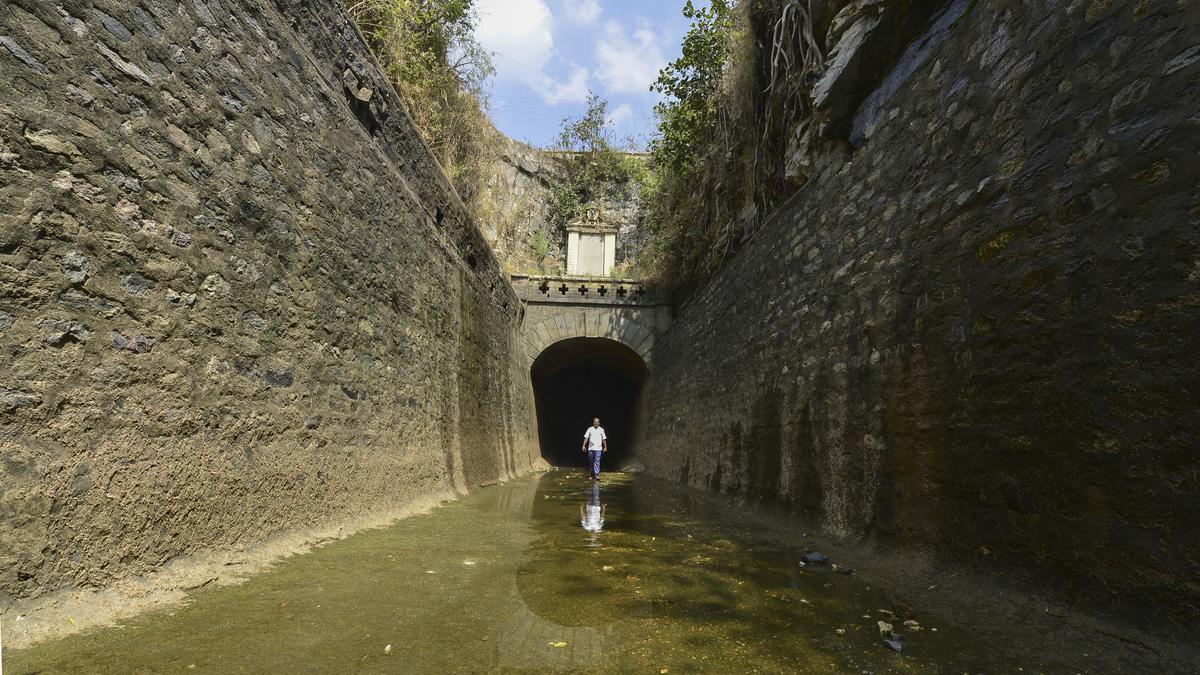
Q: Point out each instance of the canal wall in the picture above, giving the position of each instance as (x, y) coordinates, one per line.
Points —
(238, 296)
(974, 336)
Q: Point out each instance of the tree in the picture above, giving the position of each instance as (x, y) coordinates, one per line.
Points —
(589, 133)
(691, 84)
(596, 165)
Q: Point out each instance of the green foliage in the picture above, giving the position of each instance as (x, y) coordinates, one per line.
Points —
(735, 100)
(539, 247)
(626, 269)
(588, 133)
(692, 145)
(428, 49)
(590, 137)
(691, 84)
(567, 197)
(633, 168)
(593, 166)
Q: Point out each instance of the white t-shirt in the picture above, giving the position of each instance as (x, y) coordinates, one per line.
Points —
(595, 438)
(593, 520)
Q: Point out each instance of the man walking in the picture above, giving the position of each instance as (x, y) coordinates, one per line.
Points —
(595, 441)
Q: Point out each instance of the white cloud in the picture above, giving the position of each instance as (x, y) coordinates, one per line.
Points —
(582, 12)
(520, 35)
(627, 63)
(619, 115)
(574, 90)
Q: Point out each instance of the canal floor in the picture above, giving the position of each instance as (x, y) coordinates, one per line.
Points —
(509, 579)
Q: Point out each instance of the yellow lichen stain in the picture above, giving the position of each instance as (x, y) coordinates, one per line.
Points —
(1144, 209)
(1130, 316)
(981, 326)
(992, 248)
(1073, 211)
(1022, 441)
(1141, 9)
(1067, 307)
(1034, 228)
(1010, 168)
(1157, 171)
(1139, 403)
(1183, 302)
(1029, 318)
(1097, 8)
(1039, 278)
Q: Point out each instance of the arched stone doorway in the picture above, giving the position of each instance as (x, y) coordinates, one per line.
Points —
(578, 378)
(589, 343)
(617, 325)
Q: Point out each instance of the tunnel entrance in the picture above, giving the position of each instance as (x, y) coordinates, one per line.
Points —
(577, 379)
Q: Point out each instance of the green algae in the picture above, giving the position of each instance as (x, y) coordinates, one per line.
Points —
(507, 580)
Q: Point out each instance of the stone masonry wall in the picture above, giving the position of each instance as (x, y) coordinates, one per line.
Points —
(237, 295)
(976, 337)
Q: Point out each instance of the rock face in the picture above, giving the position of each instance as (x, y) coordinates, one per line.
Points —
(976, 337)
(521, 188)
(236, 294)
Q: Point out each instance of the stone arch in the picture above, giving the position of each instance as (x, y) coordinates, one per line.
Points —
(613, 325)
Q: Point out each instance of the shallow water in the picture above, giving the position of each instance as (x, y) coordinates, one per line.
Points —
(508, 579)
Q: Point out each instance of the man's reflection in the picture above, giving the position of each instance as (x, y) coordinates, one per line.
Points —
(591, 515)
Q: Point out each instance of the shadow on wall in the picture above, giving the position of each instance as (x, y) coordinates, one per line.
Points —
(577, 379)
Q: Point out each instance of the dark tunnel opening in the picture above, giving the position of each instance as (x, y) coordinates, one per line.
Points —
(577, 379)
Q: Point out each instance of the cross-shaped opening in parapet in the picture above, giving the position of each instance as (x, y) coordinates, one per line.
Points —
(602, 291)
(583, 289)
(640, 291)
(545, 287)
(621, 292)
(563, 289)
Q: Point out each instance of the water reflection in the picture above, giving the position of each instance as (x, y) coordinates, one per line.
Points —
(591, 514)
(661, 578)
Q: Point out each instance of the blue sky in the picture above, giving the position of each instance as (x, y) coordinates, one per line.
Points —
(549, 53)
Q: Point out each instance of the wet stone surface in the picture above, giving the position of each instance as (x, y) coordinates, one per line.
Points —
(508, 579)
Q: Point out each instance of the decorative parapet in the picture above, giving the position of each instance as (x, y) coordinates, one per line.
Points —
(585, 290)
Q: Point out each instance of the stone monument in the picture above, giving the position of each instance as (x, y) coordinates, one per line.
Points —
(591, 244)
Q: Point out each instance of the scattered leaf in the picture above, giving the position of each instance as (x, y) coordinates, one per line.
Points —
(558, 644)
